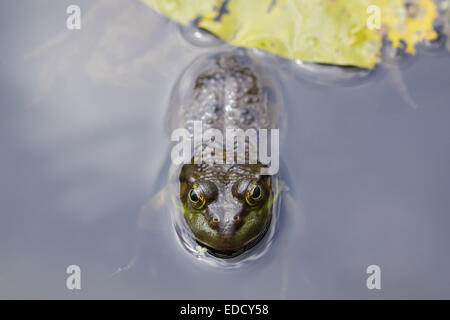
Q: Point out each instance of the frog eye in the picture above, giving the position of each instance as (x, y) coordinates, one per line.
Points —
(253, 194)
(196, 197)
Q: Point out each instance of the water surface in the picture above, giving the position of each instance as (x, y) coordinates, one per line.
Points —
(83, 142)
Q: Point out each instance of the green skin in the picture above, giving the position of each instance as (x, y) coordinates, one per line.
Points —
(226, 223)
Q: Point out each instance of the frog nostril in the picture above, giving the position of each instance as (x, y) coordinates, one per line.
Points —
(214, 222)
(236, 218)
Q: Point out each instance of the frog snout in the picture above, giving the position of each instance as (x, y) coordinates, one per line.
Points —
(226, 218)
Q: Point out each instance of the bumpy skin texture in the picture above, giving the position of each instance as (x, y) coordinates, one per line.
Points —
(227, 95)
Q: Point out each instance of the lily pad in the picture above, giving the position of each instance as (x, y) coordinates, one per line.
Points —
(321, 31)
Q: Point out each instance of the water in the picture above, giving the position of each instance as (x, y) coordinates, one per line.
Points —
(83, 148)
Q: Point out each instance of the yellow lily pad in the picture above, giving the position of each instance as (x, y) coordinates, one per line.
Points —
(321, 31)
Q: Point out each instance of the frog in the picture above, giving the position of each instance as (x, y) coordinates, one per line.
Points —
(227, 208)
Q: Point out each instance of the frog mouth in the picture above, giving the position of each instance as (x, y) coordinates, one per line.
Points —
(228, 248)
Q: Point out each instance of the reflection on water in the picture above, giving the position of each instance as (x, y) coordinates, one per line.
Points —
(83, 145)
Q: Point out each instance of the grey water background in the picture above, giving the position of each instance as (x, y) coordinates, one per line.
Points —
(82, 143)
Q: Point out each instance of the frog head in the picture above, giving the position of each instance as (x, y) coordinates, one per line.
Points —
(228, 207)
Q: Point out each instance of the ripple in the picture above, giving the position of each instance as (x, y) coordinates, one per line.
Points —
(325, 74)
(198, 37)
